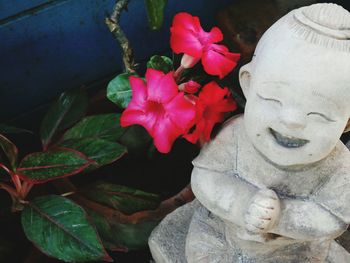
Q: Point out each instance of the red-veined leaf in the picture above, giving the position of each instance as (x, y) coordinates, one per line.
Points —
(60, 228)
(45, 166)
(10, 150)
(69, 108)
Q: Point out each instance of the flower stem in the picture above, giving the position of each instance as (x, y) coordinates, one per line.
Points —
(114, 26)
(178, 73)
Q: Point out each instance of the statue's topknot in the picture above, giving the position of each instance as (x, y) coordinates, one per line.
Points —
(326, 25)
(304, 36)
(329, 15)
(328, 19)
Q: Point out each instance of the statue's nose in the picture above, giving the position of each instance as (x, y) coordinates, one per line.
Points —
(293, 119)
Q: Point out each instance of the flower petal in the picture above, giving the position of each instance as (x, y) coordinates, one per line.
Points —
(181, 111)
(215, 35)
(161, 87)
(217, 64)
(131, 117)
(212, 93)
(218, 61)
(185, 33)
(165, 133)
(209, 125)
(185, 41)
(224, 50)
(139, 93)
(213, 101)
(226, 105)
(186, 21)
(196, 134)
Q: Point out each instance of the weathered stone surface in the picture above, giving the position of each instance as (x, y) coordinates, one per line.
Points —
(274, 184)
(167, 241)
(337, 254)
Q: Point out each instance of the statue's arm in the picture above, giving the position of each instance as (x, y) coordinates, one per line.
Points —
(306, 220)
(223, 194)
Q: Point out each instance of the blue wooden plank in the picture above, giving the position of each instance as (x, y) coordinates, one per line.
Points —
(67, 45)
(10, 8)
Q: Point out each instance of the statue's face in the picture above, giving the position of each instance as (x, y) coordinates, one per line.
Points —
(296, 109)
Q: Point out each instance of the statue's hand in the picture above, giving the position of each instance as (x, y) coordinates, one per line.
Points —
(263, 212)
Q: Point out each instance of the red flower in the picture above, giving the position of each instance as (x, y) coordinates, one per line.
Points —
(212, 103)
(188, 37)
(160, 108)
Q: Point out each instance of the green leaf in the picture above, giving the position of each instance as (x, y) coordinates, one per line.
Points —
(161, 63)
(155, 13)
(122, 232)
(105, 126)
(101, 151)
(122, 236)
(60, 228)
(67, 110)
(41, 167)
(136, 139)
(124, 199)
(4, 128)
(10, 150)
(119, 90)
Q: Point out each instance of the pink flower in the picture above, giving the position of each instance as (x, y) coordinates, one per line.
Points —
(188, 37)
(160, 108)
(212, 103)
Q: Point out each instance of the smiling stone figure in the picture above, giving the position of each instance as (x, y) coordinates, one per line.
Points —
(274, 185)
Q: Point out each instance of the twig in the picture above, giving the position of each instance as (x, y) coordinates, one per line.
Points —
(166, 207)
(16, 181)
(114, 26)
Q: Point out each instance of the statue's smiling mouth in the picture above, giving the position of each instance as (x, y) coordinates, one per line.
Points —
(288, 141)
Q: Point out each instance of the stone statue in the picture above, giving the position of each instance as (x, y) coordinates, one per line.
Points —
(274, 185)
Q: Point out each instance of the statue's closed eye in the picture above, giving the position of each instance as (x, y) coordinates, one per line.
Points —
(269, 99)
(321, 115)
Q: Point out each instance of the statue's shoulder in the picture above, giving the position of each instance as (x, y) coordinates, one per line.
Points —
(219, 152)
(335, 192)
(234, 122)
(229, 132)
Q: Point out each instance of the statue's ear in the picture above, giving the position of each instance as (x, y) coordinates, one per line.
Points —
(244, 78)
(347, 127)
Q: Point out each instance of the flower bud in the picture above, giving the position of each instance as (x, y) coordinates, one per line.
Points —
(190, 87)
(188, 61)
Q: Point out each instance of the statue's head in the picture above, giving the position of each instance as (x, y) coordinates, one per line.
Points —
(298, 85)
